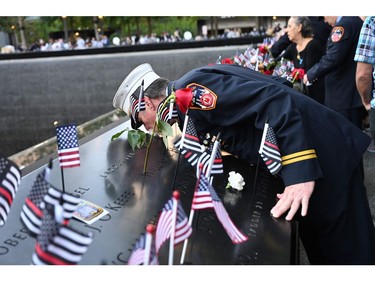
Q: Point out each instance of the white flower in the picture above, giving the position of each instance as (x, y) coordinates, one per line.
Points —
(235, 181)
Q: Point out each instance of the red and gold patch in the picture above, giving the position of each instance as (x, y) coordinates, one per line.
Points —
(203, 97)
(337, 33)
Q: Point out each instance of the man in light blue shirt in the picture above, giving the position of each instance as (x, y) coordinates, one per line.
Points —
(365, 75)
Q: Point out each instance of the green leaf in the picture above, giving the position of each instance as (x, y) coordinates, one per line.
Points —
(115, 136)
(165, 128)
(165, 140)
(166, 131)
(142, 138)
(136, 138)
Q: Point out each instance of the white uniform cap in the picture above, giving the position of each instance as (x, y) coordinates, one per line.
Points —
(143, 72)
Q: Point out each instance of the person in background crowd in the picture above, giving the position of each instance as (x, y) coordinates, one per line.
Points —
(80, 43)
(320, 150)
(365, 75)
(305, 51)
(339, 68)
(320, 29)
(105, 41)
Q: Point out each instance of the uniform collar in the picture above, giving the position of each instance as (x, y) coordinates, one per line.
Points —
(169, 89)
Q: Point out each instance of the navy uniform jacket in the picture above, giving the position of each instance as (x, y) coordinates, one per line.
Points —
(315, 142)
(338, 65)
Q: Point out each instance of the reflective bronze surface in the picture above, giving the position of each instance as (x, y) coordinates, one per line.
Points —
(111, 175)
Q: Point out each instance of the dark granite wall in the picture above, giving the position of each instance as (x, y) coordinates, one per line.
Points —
(35, 92)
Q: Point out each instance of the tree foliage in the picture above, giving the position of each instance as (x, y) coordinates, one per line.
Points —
(36, 28)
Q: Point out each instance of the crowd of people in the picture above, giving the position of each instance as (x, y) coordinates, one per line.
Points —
(103, 40)
(329, 68)
(77, 44)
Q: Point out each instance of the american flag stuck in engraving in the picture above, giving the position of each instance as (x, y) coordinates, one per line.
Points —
(67, 143)
(205, 197)
(164, 226)
(189, 143)
(57, 244)
(10, 179)
(269, 150)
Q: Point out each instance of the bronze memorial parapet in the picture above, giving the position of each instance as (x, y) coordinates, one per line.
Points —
(111, 176)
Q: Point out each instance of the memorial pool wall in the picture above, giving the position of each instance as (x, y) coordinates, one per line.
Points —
(35, 92)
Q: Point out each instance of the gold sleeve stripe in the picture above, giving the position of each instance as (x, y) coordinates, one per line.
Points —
(298, 156)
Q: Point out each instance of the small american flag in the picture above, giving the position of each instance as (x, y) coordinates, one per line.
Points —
(201, 200)
(67, 142)
(67, 201)
(10, 178)
(58, 244)
(218, 61)
(183, 229)
(238, 57)
(137, 102)
(269, 150)
(164, 227)
(32, 211)
(191, 147)
(138, 254)
(41, 193)
(202, 196)
(205, 160)
(164, 112)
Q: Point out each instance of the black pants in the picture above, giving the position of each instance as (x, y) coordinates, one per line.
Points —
(346, 234)
(355, 115)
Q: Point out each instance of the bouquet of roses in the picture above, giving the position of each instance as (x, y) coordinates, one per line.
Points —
(259, 59)
(284, 68)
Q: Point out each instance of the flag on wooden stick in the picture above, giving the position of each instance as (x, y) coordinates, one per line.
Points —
(10, 178)
(172, 223)
(144, 251)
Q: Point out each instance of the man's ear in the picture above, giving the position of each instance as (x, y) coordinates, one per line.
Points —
(149, 103)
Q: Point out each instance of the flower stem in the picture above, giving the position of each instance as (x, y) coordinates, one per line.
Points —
(295, 76)
(148, 148)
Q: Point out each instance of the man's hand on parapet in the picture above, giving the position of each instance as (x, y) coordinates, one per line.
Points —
(292, 198)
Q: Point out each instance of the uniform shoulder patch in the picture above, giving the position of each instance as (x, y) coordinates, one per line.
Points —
(337, 33)
(203, 97)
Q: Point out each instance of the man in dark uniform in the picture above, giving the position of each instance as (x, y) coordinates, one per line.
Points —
(339, 69)
(324, 188)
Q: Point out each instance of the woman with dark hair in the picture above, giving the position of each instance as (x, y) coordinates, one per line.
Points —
(305, 51)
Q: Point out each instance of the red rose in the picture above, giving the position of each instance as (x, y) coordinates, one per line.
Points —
(184, 99)
(263, 49)
(298, 73)
(268, 71)
(227, 61)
